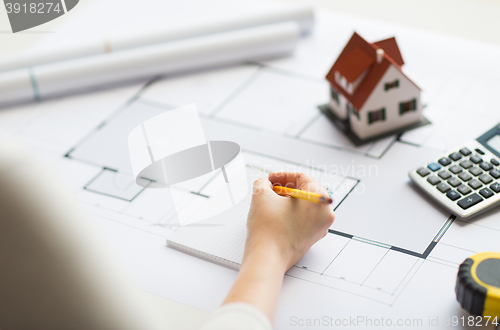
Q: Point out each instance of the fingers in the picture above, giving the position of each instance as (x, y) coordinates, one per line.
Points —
(297, 180)
(262, 187)
(330, 219)
(290, 179)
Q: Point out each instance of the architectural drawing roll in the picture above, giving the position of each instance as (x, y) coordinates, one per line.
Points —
(302, 15)
(99, 71)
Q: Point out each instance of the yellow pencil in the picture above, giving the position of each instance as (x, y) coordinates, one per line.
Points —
(302, 194)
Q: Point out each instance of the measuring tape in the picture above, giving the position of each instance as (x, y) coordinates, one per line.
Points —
(478, 285)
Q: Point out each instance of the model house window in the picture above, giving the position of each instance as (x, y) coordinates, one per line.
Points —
(377, 115)
(405, 107)
(342, 81)
(334, 95)
(350, 109)
(394, 84)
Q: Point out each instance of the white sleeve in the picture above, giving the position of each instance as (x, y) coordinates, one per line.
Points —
(237, 316)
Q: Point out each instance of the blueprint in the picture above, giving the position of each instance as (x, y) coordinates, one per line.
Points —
(391, 253)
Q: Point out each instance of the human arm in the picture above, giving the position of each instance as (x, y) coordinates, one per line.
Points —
(280, 231)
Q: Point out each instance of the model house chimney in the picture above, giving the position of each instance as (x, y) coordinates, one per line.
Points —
(380, 55)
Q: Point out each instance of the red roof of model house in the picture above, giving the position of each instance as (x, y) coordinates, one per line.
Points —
(359, 57)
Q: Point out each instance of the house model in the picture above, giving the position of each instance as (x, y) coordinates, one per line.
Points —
(370, 96)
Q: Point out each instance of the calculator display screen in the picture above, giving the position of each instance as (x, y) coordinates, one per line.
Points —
(494, 143)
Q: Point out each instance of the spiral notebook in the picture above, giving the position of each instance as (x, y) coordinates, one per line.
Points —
(220, 239)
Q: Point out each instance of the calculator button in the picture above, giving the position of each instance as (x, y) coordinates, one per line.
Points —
(495, 187)
(453, 195)
(466, 163)
(465, 151)
(495, 161)
(486, 193)
(444, 174)
(433, 180)
(463, 189)
(474, 184)
(476, 159)
(423, 171)
(455, 169)
(455, 156)
(485, 166)
(433, 167)
(444, 161)
(443, 187)
(495, 173)
(469, 201)
(464, 176)
(454, 182)
(475, 171)
(479, 151)
(485, 178)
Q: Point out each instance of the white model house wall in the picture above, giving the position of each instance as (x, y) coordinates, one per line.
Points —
(338, 108)
(390, 100)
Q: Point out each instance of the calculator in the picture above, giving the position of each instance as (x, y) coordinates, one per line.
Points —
(465, 180)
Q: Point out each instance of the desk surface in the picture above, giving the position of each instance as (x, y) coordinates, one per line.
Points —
(445, 16)
(473, 19)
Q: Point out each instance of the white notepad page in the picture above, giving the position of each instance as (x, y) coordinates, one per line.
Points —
(220, 239)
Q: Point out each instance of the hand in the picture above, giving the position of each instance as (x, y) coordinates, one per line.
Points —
(290, 226)
(280, 231)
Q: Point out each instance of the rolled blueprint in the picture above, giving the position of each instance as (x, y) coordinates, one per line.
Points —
(170, 150)
(302, 15)
(99, 71)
